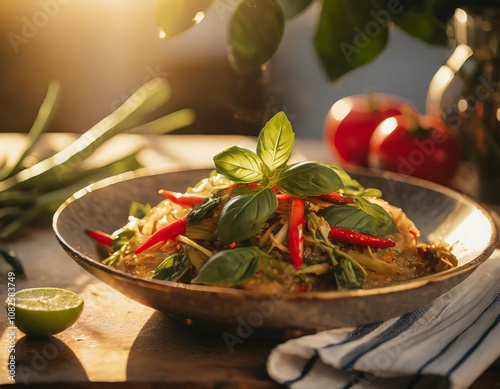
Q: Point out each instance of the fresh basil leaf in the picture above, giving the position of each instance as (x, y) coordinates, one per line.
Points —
(230, 267)
(115, 256)
(172, 268)
(246, 189)
(244, 215)
(348, 273)
(206, 229)
(176, 16)
(240, 165)
(294, 7)
(308, 179)
(381, 219)
(275, 142)
(351, 218)
(371, 192)
(255, 32)
(121, 238)
(199, 213)
(349, 35)
(350, 185)
(139, 210)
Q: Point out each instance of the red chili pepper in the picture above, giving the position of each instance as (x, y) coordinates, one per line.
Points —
(184, 199)
(336, 198)
(100, 237)
(168, 232)
(359, 238)
(283, 198)
(295, 231)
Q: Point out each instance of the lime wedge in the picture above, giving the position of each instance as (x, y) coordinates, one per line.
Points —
(46, 311)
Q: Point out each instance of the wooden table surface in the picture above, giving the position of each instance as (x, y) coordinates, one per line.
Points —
(118, 342)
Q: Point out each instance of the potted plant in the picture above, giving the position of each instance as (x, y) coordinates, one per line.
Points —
(349, 34)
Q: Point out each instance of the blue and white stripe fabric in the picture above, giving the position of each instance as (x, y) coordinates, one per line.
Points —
(456, 337)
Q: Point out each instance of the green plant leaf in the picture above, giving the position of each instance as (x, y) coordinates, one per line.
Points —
(244, 215)
(173, 17)
(255, 31)
(348, 273)
(275, 142)
(350, 35)
(308, 179)
(11, 258)
(351, 218)
(420, 21)
(230, 267)
(240, 165)
(294, 7)
(172, 268)
(138, 210)
(42, 121)
(381, 219)
(198, 214)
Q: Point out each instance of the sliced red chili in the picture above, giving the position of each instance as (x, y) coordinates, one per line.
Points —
(184, 199)
(100, 237)
(283, 198)
(337, 198)
(295, 231)
(168, 232)
(349, 236)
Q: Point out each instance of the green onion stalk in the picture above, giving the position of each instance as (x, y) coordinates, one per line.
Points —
(32, 193)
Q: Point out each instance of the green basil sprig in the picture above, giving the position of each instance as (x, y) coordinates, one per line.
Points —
(230, 267)
(244, 214)
(347, 272)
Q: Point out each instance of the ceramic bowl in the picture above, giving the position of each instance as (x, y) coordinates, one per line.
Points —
(439, 212)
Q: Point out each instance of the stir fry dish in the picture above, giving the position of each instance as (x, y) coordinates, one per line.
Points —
(260, 223)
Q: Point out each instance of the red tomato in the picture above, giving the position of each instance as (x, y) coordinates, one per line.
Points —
(420, 146)
(351, 121)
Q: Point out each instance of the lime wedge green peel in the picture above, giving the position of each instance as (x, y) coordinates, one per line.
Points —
(46, 311)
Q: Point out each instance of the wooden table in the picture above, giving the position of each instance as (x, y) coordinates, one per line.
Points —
(118, 342)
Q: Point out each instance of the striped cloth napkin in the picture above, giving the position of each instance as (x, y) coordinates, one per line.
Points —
(455, 338)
